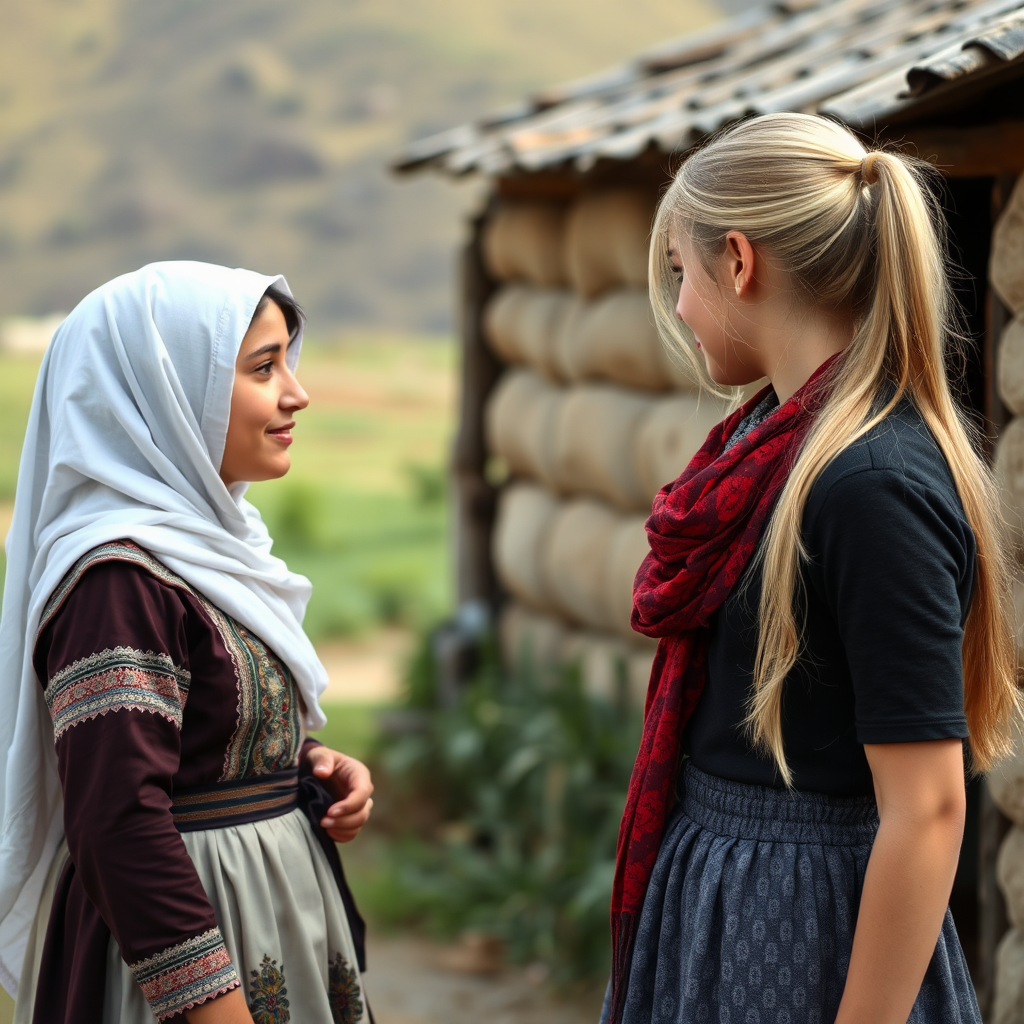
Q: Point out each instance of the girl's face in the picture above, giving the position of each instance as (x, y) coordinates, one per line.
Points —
(264, 400)
(707, 306)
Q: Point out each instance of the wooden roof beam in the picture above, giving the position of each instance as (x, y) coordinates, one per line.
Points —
(977, 152)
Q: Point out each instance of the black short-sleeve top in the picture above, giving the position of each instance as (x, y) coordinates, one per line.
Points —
(886, 589)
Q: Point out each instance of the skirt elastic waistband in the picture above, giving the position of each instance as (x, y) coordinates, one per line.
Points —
(743, 811)
(237, 802)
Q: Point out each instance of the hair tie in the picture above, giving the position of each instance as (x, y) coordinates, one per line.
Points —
(868, 168)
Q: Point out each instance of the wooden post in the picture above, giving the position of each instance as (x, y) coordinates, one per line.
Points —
(997, 316)
(474, 497)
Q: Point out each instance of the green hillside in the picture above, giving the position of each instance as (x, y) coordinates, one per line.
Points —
(252, 132)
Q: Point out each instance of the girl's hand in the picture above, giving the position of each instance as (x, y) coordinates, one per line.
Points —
(349, 780)
(229, 1008)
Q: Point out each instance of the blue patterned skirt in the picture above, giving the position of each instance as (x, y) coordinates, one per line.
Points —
(750, 913)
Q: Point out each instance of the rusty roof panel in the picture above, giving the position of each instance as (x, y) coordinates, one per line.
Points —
(859, 60)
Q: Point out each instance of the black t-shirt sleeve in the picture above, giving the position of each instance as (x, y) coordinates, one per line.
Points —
(894, 562)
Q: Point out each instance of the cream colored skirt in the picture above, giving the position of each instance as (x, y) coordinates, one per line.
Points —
(283, 922)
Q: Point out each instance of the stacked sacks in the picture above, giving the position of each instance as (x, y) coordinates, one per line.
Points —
(606, 240)
(525, 242)
(572, 561)
(525, 515)
(627, 549)
(593, 441)
(670, 435)
(614, 337)
(523, 323)
(591, 417)
(1006, 784)
(611, 443)
(520, 419)
(576, 559)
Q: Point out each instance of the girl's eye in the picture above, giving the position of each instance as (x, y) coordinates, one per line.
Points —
(678, 272)
(265, 368)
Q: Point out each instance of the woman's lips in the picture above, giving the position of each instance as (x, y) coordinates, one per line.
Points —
(282, 434)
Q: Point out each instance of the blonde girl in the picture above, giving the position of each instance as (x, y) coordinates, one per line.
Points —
(829, 587)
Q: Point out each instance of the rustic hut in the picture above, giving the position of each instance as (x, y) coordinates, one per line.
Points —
(572, 415)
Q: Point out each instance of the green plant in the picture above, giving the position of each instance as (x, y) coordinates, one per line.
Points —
(528, 775)
(427, 482)
(300, 515)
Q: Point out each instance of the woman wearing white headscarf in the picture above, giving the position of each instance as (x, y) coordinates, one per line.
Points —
(167, 839)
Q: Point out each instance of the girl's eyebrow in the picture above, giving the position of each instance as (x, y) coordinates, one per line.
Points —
(265, 350)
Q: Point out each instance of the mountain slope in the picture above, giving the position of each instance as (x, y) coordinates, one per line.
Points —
(253, 132)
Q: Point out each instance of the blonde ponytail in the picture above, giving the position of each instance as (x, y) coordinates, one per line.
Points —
(859, 233)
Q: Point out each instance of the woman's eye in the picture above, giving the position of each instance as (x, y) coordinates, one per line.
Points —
(265, 368)
(678, 272)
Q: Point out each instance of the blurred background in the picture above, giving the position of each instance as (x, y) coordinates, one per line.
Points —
(255, 133)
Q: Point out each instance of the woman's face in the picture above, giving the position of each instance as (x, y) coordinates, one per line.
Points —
(706, 306)
(264, 401)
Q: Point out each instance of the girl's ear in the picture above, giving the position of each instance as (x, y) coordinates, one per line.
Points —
(740, 258)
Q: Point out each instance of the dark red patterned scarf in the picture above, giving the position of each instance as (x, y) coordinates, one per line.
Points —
(703, 531)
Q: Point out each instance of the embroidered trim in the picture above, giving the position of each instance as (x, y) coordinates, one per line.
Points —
(118, 679)
(267, 735)
(186, 974)
(115, 551)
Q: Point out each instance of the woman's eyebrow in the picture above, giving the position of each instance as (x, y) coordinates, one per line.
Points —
(265, 350)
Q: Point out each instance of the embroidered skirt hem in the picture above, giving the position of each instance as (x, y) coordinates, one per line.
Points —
(283, 923)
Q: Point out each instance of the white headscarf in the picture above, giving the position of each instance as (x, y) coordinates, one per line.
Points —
(125, 439)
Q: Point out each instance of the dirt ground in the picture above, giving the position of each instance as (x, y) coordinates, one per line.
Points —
(365, 670)
(407, 984)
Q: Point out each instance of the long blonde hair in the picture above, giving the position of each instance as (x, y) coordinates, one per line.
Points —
(862, 237)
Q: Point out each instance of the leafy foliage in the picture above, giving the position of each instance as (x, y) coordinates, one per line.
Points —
(529, 774)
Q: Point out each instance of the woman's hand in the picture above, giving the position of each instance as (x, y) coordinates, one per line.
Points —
(921, 804)
(349, 781)
(229, 1008)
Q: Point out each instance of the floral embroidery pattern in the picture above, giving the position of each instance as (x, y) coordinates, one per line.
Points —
(268, 734)
(268, 1000)
(344, 993)
(117, 679)
(186, 974)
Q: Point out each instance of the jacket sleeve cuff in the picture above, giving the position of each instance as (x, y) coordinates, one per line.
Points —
(186, 974)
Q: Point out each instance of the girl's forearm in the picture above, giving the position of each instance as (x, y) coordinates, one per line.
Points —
(906, 891)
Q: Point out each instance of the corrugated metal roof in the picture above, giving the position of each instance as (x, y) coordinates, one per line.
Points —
(860, 60)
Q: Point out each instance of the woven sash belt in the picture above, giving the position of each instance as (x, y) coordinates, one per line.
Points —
(237, 802)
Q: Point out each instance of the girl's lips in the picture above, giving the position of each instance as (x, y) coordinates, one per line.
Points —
(283, 434)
